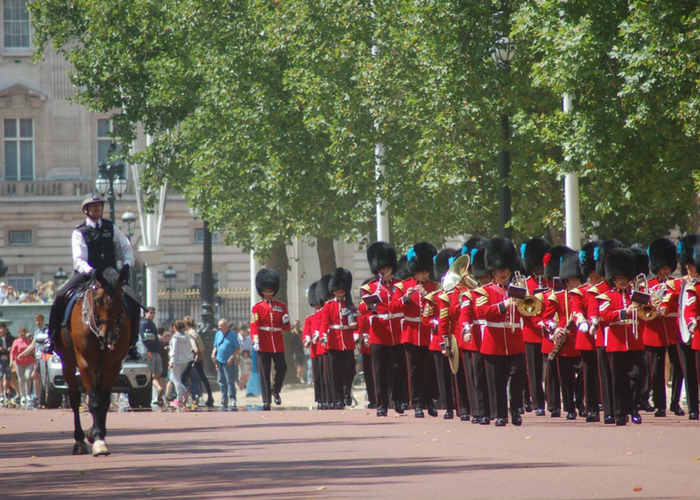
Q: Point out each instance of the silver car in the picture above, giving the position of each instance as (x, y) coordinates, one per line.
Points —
(135, 379)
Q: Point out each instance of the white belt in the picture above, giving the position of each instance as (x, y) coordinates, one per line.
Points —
(671, 315)
(269, 329)
(501, 325)
(623, 322)
(414, 320)
(341, 327)
(389, 316)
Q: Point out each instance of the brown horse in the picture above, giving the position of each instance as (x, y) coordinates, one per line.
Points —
(95, 342)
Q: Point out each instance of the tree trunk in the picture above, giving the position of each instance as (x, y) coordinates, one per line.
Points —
(279, 262)
(557, 235)
(326, 255)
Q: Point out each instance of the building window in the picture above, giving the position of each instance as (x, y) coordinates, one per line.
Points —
(198, 280)
(19, 149)
(104, 141)
(20, 237)
(21, 283)
(199, 235)
(15, 25)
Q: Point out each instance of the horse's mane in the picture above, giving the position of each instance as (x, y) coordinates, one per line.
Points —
(109, 279)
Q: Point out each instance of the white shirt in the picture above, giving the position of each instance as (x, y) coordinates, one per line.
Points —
(122, 247)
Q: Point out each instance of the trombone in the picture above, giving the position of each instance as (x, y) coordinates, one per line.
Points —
(528, 305)
(648, 303)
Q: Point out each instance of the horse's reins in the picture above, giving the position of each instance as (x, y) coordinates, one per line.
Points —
(93, 321)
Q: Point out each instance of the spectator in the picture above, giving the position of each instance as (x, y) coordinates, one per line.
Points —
(23, 365)
(198, 363)
(11, 297)
(245, 367)
(3, 292)
(164, 343)
(6, 340)
(148, 325)
(35, 346)
(244, 339)
(49, 292)
(297, 347)
(180, 356)
(226, 349)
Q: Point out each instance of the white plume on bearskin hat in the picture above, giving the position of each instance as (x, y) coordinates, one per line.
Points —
(267, 278)
(552, 261)
(501, 254)
(420, 258)
(602, 250)
(379, 255)
(620, 262)
(533, 251)
(662, 252)
(570, 267)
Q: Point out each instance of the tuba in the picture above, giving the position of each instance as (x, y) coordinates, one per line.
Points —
(647, 309)
(458, 273)
(529, 305)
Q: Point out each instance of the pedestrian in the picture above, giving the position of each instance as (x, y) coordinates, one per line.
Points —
(38, 338)
(226, 349)
(148, 325)
(23, 363)
(180, 355)
(6, 340)
(245, 367)
(198, 362)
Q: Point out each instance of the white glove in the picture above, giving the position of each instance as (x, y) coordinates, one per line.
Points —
(307, 342)
(256, 346)
(285, 319)
(355, 337)
(314, 338)
(583, 327)
(365, 339)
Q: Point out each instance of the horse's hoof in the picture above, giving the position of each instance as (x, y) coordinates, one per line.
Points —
(80, 448)
(90, 435)
(100, 448)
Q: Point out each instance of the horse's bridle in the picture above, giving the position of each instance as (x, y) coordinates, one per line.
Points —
(93, 321)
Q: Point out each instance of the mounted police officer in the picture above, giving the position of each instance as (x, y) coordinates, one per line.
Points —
(97, 244)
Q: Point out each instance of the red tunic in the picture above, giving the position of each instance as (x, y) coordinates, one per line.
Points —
(620, 331)
(660, 331)
(594, 313)
(532, 332)
(267, 325)
(363, 329)
(501, 327)
(309, 327)
(412, 329)
(335, 326)
(384, 326)
(431, 318)
(467, 317)
(691, 312)
(580, 303)
(561, 303)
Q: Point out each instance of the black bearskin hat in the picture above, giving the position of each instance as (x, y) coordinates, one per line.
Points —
(420, 258)
(401, 269)
(686, 244)
(552, 261)
(533, 251)
(323, 292)
(479, 263)
(444, 260)
(312, 293)
(641, 260)
(267, 278)
(620, 262)
(602, 250)
(501, 254)
(474, 243)
(570, 267)
(662, 252)
(586, 257)
(341, 279)
(696, 255)
(379, 255)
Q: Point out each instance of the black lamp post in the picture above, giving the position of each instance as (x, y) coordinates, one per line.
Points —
(502, 54)
(129, 223)
(60, 277)
(207, 289)
(111, 180)
(170, 274)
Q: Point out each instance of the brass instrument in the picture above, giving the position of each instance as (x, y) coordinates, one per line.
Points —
(529, 305)
(650, 311)
(686, 334)
(458, 273)
(642, 299)
(560, 340)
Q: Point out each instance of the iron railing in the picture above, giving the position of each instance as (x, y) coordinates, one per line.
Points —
(232, 304)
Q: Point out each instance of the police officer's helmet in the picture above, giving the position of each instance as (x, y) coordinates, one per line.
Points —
(92, 198)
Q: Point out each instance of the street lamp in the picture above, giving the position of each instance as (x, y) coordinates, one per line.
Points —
(60, 276)
(111, 180)
(502, 53)
(170, 274)
(129, 223)
(207, 289)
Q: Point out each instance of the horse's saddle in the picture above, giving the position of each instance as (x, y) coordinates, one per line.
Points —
(71, 298)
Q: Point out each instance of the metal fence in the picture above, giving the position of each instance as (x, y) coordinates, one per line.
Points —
(232, 304)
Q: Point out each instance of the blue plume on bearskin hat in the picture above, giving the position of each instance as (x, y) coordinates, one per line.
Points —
(620, 262)
(501, 254)
(533, 251)
(552, 261)
(570, 267)
(420, 258)
(474, 243)
(586, 257)
(379, 255)
(267, 278)
(602, 250)
(662, 252)
(479, 263)
(686, 244)
(443, 261)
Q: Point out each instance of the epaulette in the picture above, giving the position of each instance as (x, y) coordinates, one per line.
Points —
(481, 291)
(593, 289)
(671, 284)
(576, 291)
(431, 297)
(465, 293)
(553, 297)
(399, 286)
(603, 296)
(366, 288)
(444, 296)
(253, 318)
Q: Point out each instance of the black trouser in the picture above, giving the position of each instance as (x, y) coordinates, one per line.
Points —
(552, 384)
(656, 357)
(690, 374)
(342, 373)
(605, 377)
(628, 370)
(369, 379)
(676, 376)
(463, 403)
(566, 366)
(445, 379)
(327, 378)
(499, 370)
(266, 359)
(417, 363)
(384, 359)
(476, 382)
(317, 371)
(533, 355)
(199, 366)
(591, 385)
